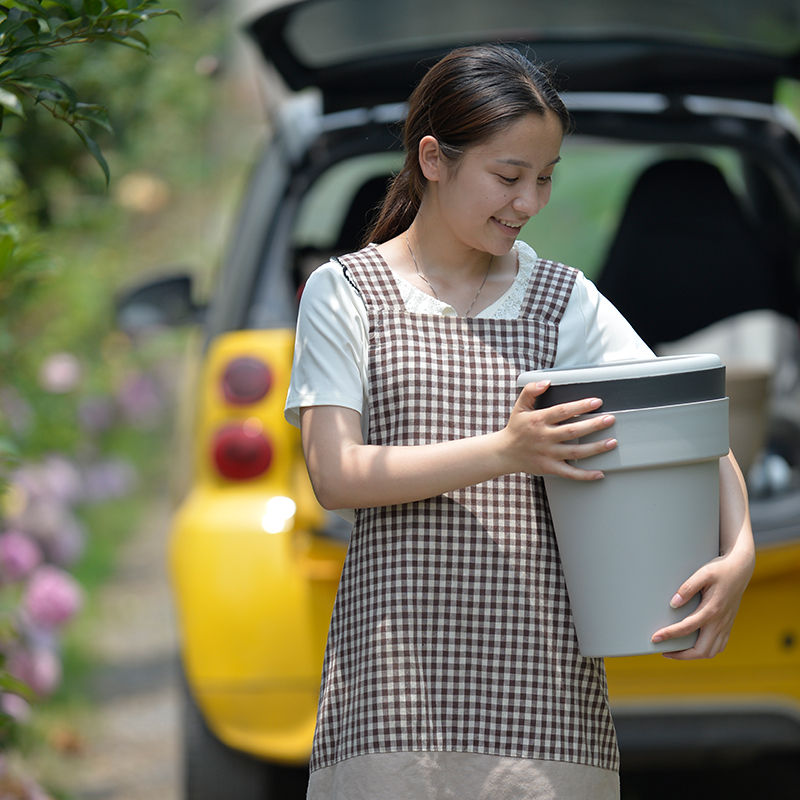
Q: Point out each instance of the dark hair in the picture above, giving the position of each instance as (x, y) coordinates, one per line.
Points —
(468, 97)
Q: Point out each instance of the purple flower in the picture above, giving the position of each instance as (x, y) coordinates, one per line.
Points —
(96, 414)
(51, 597)
(62, 479)
(19, 555)
(114, 477)
(140, 401)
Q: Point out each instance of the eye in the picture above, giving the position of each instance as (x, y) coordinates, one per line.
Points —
(508, 181)
(545, 179)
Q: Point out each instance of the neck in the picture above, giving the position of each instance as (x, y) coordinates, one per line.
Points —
(460, 283)
(439, 262)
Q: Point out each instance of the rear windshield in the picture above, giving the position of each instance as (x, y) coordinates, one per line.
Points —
(327, 32)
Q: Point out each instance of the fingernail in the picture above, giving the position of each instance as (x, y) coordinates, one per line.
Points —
(542, 384)
(609, 420)
(599, 476)
(657, 639)
(611, 443)
(676, 601)
(596, 403)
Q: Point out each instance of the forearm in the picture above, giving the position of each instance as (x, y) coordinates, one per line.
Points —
(735, 532)
(346, 473)
(369, 475)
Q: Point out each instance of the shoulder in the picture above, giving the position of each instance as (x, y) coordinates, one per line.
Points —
(327, 281)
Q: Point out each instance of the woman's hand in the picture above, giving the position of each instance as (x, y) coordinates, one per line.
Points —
(722, 581)
(542, 441)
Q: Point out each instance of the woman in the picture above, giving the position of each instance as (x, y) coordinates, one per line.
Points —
(452, 667)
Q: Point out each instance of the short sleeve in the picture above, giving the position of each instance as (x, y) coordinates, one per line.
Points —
(593, 331)
(330, 346)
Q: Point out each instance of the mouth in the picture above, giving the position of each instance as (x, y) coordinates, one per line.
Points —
(512, 228)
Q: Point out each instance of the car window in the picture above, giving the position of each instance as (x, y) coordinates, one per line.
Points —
(590, 189)
(591, 186)
(333, 214)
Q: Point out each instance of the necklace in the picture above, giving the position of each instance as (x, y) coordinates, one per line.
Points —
(430, 286)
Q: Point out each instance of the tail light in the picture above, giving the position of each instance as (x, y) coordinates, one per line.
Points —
(241, 451)
(246, 380)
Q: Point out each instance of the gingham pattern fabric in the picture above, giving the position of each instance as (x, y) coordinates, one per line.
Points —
(452, 629)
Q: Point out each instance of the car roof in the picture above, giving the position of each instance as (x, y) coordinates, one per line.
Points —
(368, 52)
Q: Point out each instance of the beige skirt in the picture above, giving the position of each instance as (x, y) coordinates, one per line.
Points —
(460, 776)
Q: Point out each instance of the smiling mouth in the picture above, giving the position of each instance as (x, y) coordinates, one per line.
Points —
(511, 227)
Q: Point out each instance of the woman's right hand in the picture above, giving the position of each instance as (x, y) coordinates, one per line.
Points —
(543, 441)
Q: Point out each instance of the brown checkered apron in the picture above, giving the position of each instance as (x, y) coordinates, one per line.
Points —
(452, 629)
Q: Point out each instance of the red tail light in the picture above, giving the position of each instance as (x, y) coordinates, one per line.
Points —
(241, 451)
(246, 380)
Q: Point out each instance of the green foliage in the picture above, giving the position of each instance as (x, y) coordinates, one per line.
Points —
(66, 241)
(30, 32)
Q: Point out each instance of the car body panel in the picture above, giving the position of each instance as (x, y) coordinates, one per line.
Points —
(253, 594)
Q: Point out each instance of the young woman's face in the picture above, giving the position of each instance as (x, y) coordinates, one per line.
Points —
(497, 186)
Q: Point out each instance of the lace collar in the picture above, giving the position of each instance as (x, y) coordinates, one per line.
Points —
(506, 307)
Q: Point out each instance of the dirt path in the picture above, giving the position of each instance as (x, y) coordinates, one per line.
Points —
(129, 747)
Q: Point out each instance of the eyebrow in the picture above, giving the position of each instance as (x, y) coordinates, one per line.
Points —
(514, 162)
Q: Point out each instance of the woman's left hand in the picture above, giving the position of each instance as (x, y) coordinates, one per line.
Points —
(721, 582)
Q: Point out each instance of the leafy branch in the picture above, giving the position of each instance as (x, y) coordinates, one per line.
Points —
(29, 33)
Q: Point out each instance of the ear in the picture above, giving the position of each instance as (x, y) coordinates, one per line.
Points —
(430, 158)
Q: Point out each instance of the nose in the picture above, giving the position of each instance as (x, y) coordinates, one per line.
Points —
(531, 200)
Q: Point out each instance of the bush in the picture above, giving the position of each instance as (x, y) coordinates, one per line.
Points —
(77, 401)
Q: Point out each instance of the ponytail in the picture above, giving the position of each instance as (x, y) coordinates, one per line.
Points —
(400, 205)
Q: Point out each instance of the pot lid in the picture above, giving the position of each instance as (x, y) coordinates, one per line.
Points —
(628, 368)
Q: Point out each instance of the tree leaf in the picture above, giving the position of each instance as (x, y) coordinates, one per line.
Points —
(10, 101)
(94, 113)
(38, 8)
(53, 87)
(28, 60)
(9, 683)
(94, 149)
(140, 37)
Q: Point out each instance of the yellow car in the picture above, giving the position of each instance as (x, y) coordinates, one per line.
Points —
(686, 91)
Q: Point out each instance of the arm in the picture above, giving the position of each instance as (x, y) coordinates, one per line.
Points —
(346, 473)
(722, 581)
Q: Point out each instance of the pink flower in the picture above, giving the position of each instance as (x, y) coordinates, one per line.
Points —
(19, 555)
(15, 706)
(39, 668)
(60, 373)
(52, 597)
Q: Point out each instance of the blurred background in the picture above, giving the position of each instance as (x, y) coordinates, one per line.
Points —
(86, 413)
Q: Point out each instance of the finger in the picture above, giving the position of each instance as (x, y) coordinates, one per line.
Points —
(695, 583)
(561, 413)
(565, 470)
(709, 643)
(527, 397)
(576, 432)
(676, 631)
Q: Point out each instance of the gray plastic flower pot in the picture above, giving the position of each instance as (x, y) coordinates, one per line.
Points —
(628, 542)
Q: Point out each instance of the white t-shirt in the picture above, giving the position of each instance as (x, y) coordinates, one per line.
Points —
(331, 350)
